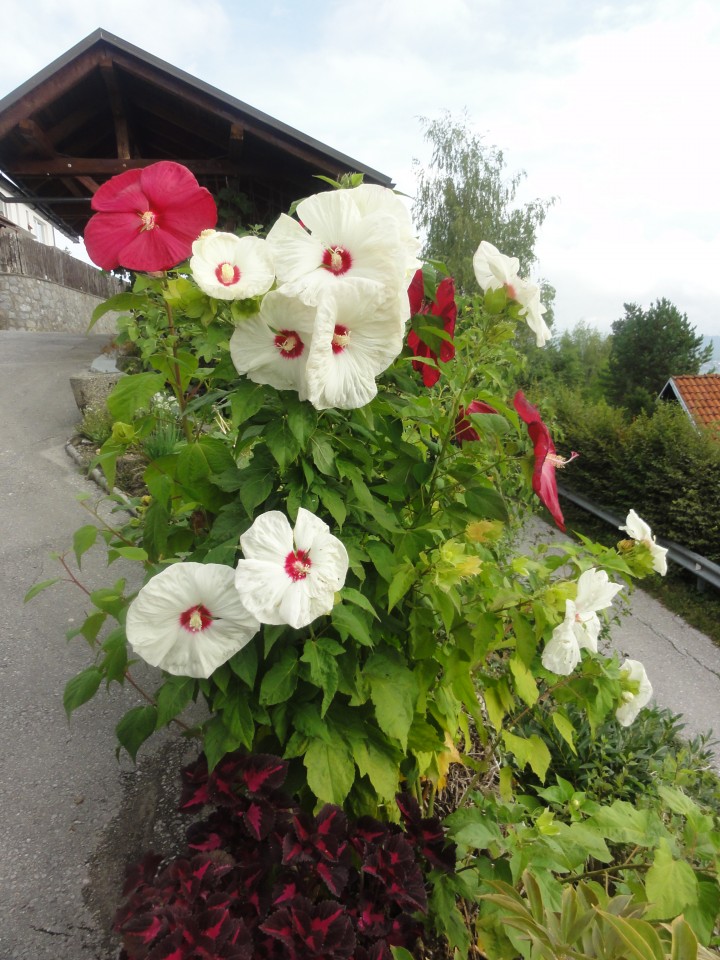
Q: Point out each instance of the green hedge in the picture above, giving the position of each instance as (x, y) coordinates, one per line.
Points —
(660, 465)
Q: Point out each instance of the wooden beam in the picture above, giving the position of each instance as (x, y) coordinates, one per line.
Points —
(107, 167)
(235, 144)
(117, 105)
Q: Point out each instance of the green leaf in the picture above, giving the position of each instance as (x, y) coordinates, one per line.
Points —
(400, 953)
(525, 684)
(684, 941)
(486, 503)
(192, 465)
(320, 656)
(640, 939)
(323, 456)
(279, 683)
(530, 751)
(330, 770)
(359, 599)
(245, 401)
(132, 553)
(403, 578)
(83, 539)
(172, 698)
(380, 765)
(393, 691)
(132, 393)
(670, 885)
(120, 302)
(334, 504)
(565, 728)
(244, 664)
(302, 420)
(350, 622)
(81, 689)
(703, 915)
(156, 523)
(257, 485)
(115, 661)
(238, 718)
(135, 728)
(281, 443)
(39, 587)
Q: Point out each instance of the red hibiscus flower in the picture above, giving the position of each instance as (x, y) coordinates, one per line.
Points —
(444, 307)
(148, 218)
(464, 430)
(546, 459)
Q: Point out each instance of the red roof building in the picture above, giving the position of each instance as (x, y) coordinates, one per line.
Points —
(698, 395)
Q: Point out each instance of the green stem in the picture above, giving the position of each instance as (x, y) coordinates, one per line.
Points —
(177, 385)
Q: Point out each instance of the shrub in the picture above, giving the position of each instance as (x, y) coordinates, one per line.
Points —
(96, 424)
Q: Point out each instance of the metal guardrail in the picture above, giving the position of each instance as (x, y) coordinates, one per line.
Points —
(705, 570)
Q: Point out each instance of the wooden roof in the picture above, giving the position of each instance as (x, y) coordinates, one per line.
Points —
(698, 395)
(106, 106)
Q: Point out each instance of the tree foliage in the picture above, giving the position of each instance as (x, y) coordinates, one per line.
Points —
(576, 359)
(466, 195)
(648, 347)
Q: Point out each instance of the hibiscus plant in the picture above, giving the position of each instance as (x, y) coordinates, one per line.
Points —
(330, 567)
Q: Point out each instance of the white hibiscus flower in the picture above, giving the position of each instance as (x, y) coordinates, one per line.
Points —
(188, 619)
(494, 270)
(335, 240)
(358, 333)
(581, 627)
(634, 702)
(228, 267)
(640, 531)
(290, 575)
(273, 346)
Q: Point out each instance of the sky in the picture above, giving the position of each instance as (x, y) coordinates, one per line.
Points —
(611, 108)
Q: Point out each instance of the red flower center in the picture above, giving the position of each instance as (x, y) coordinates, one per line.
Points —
(148, 220)
(227, 274)
(341, 338)
(289, 343)
(337, 260)
(196, 619)
(297, 565)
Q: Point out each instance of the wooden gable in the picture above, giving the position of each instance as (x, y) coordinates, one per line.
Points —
(107, 106)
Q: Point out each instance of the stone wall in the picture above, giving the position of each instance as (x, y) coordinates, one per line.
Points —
(42, 288)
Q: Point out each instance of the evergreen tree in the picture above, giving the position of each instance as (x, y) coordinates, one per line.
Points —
(647, 348)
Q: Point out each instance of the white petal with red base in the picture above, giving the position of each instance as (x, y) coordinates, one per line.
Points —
(290, 576)
(189, 620)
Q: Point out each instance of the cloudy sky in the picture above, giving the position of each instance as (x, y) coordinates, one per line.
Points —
(610, 107)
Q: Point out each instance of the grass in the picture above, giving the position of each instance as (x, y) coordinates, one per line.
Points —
(678, 591)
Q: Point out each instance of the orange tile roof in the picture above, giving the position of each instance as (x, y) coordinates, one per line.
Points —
(701, 396)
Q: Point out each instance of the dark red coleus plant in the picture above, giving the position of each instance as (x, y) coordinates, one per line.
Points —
(264, 880)
(443, 310)
(546, 459)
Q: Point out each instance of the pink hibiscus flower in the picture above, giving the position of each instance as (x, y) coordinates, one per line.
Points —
(546, 459)
(147, 219)
(443, 307)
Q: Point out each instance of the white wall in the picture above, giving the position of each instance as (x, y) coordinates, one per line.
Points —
(26, 217)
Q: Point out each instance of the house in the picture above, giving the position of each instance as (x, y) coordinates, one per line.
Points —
(106, 106)
(699, 396)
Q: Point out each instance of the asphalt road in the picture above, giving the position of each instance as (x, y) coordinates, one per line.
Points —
(71, 814)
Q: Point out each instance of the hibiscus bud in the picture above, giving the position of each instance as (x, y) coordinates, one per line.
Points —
(625, 546)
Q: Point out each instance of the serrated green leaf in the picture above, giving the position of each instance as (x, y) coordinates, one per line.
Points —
(671, 885)
(281, 443)
(330, 770)
(525, 684)
(393, 691)
(172, 698)
(334, 504)
(81, 688)
(279, 683)
(245, 401)
(352, 623)
(529, 751)
(565, 728)
(323, 668)
(132, 393)
(302, 420)
(359, 599)
(135, 727)
(403, 578)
